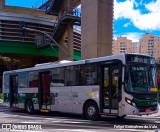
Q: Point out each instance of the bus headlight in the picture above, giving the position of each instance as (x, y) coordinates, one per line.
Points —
(128, 101)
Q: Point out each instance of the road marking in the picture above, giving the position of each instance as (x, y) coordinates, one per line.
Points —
(66, 122)
(143, 130)
(74, 130)
(157, 122)
(79, 126)
(29, 122)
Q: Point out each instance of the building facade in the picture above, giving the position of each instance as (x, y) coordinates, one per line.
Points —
(14, 44)
(150, 45)
(22, 45)
(124, 45)
(136, 47)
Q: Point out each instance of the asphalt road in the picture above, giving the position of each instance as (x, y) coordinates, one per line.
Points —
(18, 120)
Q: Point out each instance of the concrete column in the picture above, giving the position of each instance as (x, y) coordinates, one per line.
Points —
(63, 9)
(70, 32)
(66, 8)
(70, 41)
(68, 48)
(97, 28)
(2, 4)
(70, 6)
(69, 35)
(62, 55)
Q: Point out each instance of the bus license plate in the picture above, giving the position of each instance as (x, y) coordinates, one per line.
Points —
(148, 109)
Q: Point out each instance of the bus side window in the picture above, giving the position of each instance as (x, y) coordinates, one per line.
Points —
(67, 76)
(70, 76)
(23, 80)
(6, 82)
(78, 75)
(92, 78)
(57, 77)
(33, 79)
(87, 74)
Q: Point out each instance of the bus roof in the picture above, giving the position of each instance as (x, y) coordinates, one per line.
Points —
(69, 63)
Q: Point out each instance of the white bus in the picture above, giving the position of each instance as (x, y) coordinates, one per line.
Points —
(120, 85)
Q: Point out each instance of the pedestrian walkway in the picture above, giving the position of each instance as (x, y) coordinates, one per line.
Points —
(1, 101)
(2, 105)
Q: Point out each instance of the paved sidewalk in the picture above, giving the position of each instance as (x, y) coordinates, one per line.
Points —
(1, 101)
(2, 105)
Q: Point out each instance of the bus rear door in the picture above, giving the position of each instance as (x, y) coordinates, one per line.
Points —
(44, 91)
(109, 87)
(13, 90)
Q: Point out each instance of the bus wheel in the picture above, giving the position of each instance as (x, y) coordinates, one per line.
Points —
(91, 111)
(121, 117)
(29, 107)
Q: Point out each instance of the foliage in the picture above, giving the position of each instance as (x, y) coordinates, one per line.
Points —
(1, 96)
(9, 63)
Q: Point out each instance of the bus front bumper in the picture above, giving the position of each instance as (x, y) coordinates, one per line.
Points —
(131, 110)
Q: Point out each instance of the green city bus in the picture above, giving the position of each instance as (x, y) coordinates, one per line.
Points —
(119, 85)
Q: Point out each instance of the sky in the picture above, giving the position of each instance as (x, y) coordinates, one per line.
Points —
(132, 18)
(24, 3)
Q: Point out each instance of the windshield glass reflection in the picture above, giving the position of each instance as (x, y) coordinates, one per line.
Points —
(140, 78)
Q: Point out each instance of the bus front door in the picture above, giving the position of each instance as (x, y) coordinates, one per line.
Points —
(44, 91)
(110, 86)
(13, 90)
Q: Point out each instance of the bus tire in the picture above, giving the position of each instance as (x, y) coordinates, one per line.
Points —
(29, 107)
(121, 117)
(91, 111)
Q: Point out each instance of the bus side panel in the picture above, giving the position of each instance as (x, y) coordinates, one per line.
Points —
(62, 99)
(6, 96)
(80, 94)
(28, 93)
(53, 100)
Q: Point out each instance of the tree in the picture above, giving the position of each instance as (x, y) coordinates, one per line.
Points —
(10, 64)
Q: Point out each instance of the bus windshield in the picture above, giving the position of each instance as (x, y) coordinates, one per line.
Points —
(140, 79)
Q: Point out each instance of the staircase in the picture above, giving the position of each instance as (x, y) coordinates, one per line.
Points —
(70, 15)
(45, 6)
(54, 7)
(62, 25)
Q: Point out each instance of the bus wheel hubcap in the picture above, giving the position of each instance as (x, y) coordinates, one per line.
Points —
(91, 111)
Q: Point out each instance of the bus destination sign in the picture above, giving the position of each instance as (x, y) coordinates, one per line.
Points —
(140, 59)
